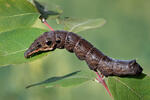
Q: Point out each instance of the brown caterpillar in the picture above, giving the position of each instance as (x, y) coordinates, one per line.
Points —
(95, 59)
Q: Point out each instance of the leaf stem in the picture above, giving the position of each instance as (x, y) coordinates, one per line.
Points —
(45, 22)
(103, 83)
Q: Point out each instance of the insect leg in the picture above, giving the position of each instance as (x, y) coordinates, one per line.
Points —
(102, 81)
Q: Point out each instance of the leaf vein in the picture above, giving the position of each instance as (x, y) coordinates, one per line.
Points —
(77, 25)
(23, 14)
(12, 53)
(128, 87)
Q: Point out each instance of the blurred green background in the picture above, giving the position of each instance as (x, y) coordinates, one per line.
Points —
(126, 35)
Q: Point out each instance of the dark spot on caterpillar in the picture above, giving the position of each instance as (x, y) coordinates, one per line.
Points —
(39, 46)
(79, 44)
(68, 39)
(58, 40)
(49, 43)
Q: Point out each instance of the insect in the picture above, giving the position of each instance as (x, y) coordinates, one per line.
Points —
(84, 50)
(96, 60)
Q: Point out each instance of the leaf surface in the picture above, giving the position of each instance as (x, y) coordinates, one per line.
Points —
(72, 79)
(82, 24)
(130, 88)
(19, 26)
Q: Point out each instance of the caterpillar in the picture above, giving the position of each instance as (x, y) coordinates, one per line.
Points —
(96, 60)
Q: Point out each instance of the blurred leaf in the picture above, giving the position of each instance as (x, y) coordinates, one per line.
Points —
(71, 79)
(55, 25)
(78, 25)
(130, 88)
(51, 11)
(14, 14)
(19, 26)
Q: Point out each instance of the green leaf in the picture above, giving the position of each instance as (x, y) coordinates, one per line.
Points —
(78, 25)
(130, 88)
(14, 13)
(14, 43)
(19, 26)
(71, 79)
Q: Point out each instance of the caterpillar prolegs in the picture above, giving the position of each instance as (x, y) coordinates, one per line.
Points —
(84, 50)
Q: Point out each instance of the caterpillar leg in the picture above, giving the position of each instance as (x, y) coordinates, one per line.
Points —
(102, 81)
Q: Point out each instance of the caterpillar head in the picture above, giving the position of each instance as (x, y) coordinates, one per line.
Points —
(45, 42)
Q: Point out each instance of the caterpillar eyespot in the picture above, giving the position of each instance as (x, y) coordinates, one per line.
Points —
(58, 41)
(84, 50)
(49, 43)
